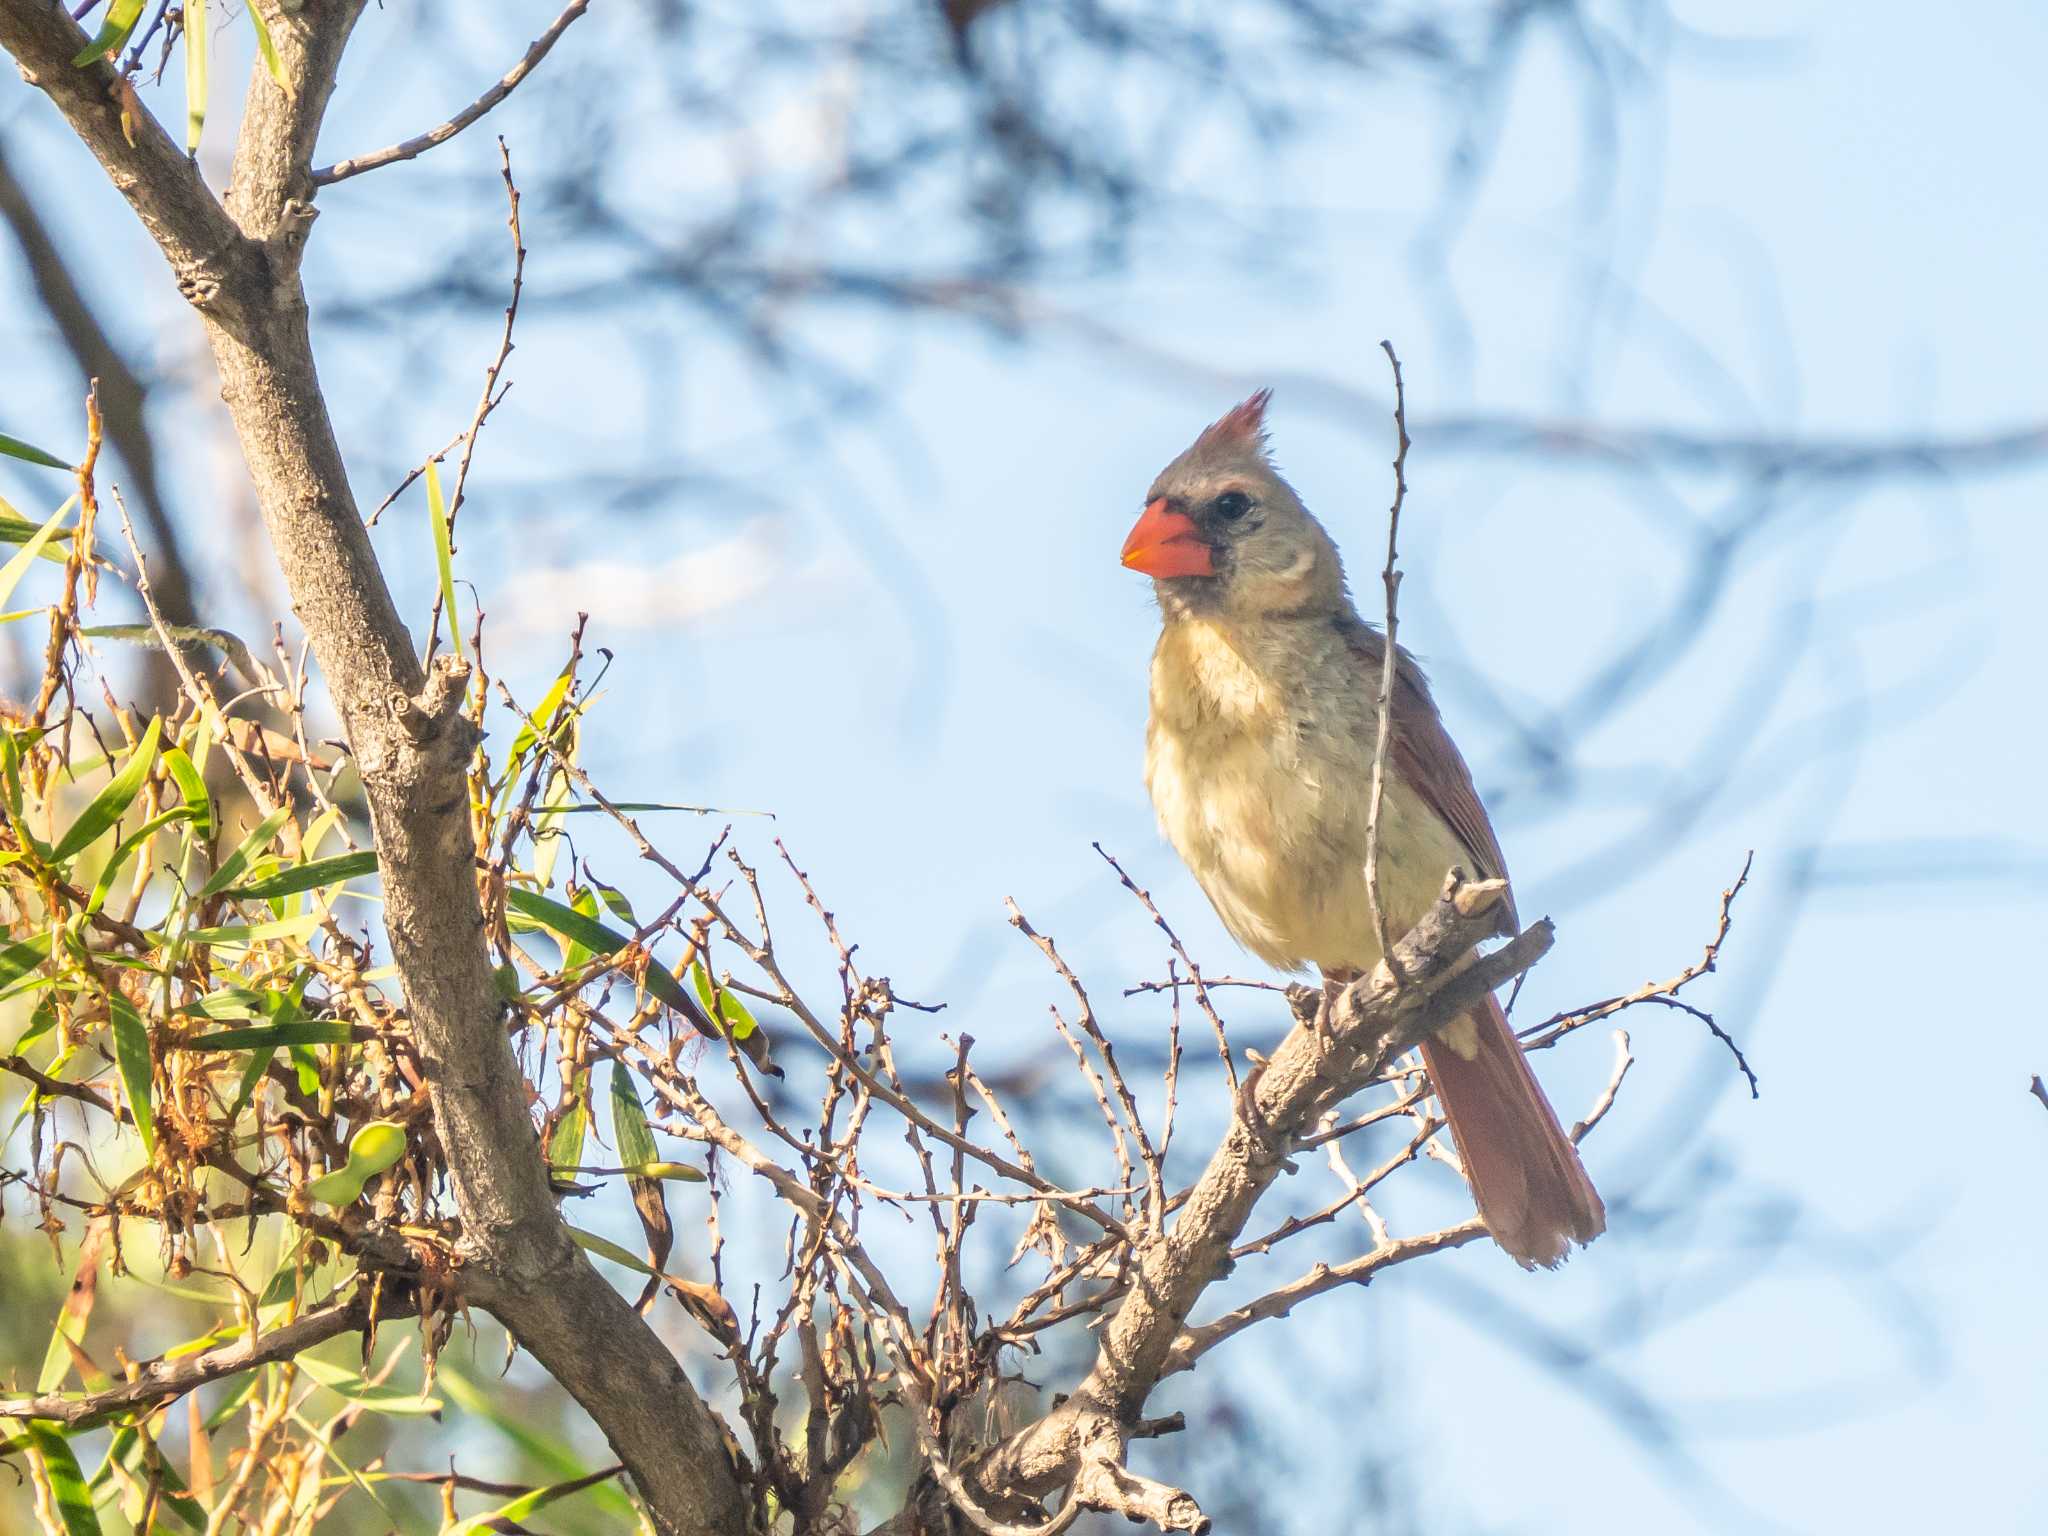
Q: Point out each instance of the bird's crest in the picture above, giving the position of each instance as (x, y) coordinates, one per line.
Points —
(1242, 427)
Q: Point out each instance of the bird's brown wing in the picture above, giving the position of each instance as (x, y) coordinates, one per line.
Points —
(1424, 755)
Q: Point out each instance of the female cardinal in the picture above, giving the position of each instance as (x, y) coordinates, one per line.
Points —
(1259, 758)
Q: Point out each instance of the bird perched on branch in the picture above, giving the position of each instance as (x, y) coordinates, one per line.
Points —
(1259, 756)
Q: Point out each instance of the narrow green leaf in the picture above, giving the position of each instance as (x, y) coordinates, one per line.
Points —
(255, 933)
(19, 530)
(126, 1451)
(231, 870)
(437, 510)
(565, 1146)
(15, 448)
(226, 641)
(195, 72)
(658, 805)
(631, 1137)
(131, 1056)
(722, 1003)
(41, 1020)
(67, 1479)
(12, 572)
(584, 904)
(112, 802)
(550, 1453)
(126, 851)
(509, 1515)
(682, 1173)
(193, 787)
(524, 740)
(17, 960)
(566, 921)
(233, 1001)
(378, 1399)
(547, 837)
(120, 21)
(615, 902)
(268, 49)
(605, 1248)
(306, 877)
(284, 1032)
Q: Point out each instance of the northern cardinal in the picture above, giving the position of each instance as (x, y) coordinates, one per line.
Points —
(1259, 758)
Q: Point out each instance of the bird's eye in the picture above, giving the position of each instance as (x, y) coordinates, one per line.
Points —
(1231, 505)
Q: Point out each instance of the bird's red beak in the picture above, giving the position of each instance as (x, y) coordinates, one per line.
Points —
(1165, 544)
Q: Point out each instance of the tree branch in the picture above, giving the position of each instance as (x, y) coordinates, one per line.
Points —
(1370, 1023)
(420, 143)
(162, 1381)
(123, 395)
(411, 741)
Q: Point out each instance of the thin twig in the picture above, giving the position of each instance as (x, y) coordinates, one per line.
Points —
(1558, 1025)
(1623, 1060)
(1392, 579)
(1194, 971)
(419, 144)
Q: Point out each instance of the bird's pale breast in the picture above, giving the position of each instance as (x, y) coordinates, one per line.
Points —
(1259, 768)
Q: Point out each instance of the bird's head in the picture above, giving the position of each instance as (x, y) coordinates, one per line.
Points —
(1223, 534)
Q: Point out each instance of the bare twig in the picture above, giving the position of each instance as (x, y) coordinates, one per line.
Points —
(419, 144)
(1542, 1036)
(161, 1381)
(1623, 1060)
(1195, 979)
(1391, 579)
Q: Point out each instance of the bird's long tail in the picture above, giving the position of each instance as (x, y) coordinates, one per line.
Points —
(1526, 1177)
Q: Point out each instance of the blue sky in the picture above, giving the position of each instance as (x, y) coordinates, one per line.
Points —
(919, 650)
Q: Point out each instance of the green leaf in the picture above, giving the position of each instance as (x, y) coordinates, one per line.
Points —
(630, 1134)
(231, 870)
(509, 1515)
(131, 1056)
(193, 787)
(306, 877)
(657, 805)
(15, 448)
(195, 72)
(226, 641)
(110, 803)
(547, 837)
(437, 511)
(541, 911)
(551, 1454)
(682, 1173)
(263, 1037)
(584, 904)
(19, 530)
(565, 1146)
(524, 740)
(12, 572)
(370, 1151)
(378, 1399)
(615, 902)
(255, 933)
(67, 1479)
(268, 49)
(17, 960)
(567, 922)
(121, 18)
(726, 1006)
(605, 1248)
(126, 850)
